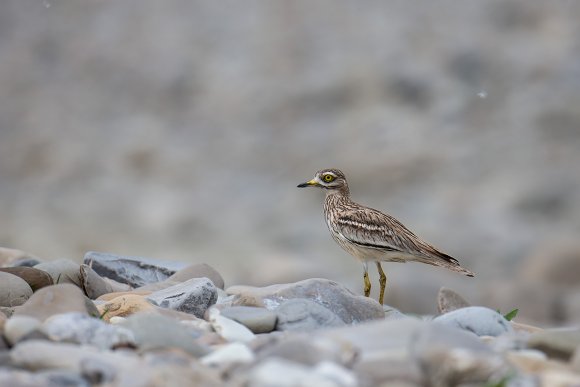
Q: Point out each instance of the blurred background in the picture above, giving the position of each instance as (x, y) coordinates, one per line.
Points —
(179, 129)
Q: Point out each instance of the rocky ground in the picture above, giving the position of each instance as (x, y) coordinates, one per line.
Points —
(131, 321)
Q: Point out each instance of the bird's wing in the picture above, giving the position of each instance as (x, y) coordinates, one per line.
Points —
(373, 229)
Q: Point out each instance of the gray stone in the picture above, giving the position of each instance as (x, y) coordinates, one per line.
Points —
(62, 271)
(14, 290)
(157, 332)
(93, 284)
(448, 301)
(393, 313)
(350, 307)
(19, 326)
(134, 271)
(308, 350)
(35, 278)
(197, 270)
(476, 319)
(283, 373)
(83, 329)
(39, 355)
(258, 320)
(56, 299)
(52, 378)
(193, 296)
(451, 356)
(304, 315)
(556, 343)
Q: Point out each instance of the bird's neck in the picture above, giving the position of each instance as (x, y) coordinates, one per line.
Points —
(342, 193)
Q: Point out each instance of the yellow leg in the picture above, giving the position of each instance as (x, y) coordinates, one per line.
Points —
(383, 282)
(367, 281)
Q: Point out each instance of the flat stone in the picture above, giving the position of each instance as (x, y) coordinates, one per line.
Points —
(258, 320)
(229, 329)
(448, 301)
(197, 270)
(134, 271)
(56, 299)
(62, 271)
(193, 296)
(14, 290)
(83, 329)
(283, 373)
(556, 343)
(19, 326)
(124, 306)
(93, 284)
(35, 278)
(40, 355)
(232, 353)
(308, 349)
(476, 319)
(153, 332)
(300, 314)
(350, 307)
(10, 257)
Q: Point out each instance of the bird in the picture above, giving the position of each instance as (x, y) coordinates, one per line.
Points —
(370, 235)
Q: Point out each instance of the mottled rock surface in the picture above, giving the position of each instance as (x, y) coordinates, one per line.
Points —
(193, 296)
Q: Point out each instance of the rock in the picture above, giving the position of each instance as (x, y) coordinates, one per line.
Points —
(124, 306)
(62, 271)
(35, 278)
(283, 373)
(258, 320)
(300, 314)
(336, 374)
(556, 343)
(52, 378)
(229, 329)
(134, 271)
(448, 301)
(93, 284)
(57, 299)
(393, 313)
(82, 329)
(476, 319)
(153, 332)
(308, 350)
(19, 326)
(232, 353)
(197, 270)
(350, 307)
(14, 290)
(38, 355)
(112, 296)
(528, 360)
(450, 356)
(3, 319)
(7, 311)
(193, 296)
(12, 257)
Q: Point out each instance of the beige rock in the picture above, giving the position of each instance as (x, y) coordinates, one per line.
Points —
(519, 327)
(128, 304)
(9, 256)
(56, 299)
(112, 296)
(124, 306)
(3, 319)
(35, 278)
(559, 378)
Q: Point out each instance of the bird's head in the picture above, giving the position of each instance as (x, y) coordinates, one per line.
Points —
(332, 180)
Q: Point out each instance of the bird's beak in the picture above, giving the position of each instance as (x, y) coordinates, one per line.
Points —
(312, 182)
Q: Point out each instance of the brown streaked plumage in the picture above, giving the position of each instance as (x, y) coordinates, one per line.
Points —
(370, 235)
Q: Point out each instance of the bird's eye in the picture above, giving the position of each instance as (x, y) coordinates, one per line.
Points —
(328, 178)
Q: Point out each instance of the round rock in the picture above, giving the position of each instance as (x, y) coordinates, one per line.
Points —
(62, 271)
(14, 290)
(19, 326)
(258, 320)
(477, 319)
(301, 314)
(56, 299)
(35, 278)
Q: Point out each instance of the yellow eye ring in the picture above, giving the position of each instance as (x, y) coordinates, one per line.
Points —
(328, 178)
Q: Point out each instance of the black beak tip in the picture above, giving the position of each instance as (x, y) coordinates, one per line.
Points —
(302, 185)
